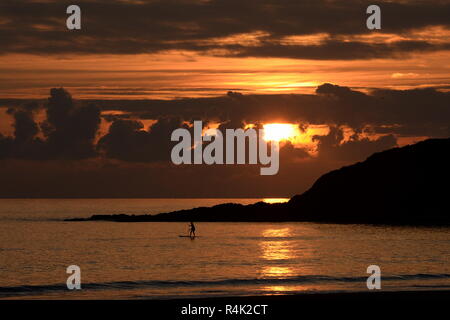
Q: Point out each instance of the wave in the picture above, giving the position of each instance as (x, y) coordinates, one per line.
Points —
(161, 284)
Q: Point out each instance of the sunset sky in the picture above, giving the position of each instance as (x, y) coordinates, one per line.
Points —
(139, 69)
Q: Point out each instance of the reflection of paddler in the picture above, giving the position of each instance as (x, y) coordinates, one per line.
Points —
(192, 230)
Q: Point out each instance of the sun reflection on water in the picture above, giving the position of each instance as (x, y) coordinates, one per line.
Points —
(278, 272)
(280, 232)
(276, 250)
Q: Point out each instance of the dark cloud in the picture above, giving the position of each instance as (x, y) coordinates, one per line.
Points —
(122, 27)
(338, 50)
(133, 160)
(70, 130)
(25, 128)
(413, 112)
(333, 145)
(127, 140)
(25, 143)
(289, 153)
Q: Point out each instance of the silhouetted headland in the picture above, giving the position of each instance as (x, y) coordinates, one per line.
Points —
(406, 186)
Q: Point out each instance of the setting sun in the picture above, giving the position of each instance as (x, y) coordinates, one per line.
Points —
(280, 131)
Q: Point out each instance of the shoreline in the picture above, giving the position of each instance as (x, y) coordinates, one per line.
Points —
(313, 296)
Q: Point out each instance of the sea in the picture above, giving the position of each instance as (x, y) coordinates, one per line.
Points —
(149, 260)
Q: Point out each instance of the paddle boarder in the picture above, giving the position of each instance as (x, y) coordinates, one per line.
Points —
(192, 230)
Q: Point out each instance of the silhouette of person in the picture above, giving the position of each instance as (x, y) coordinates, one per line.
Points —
(192, 230)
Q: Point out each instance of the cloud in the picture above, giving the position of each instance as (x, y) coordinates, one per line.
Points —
(338, 50)
(413, 112)
(25, 143)
(133, 160)
(128, 141)
(70, 130)
(218, 27)
(25, 128)
(333, 146)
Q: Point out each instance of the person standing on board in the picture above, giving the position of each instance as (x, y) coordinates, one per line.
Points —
(192, 230)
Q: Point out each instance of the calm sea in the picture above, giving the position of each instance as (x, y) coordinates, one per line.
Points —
(150, 260)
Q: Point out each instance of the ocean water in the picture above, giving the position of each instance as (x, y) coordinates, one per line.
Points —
(151, 261)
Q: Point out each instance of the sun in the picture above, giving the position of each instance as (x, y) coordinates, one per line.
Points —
(280, 131)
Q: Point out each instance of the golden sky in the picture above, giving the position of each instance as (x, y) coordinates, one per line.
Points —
(333, 91)
(191, 48)
(184, 74)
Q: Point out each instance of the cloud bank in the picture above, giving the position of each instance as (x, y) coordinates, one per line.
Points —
(268, 28)
(67, 155)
